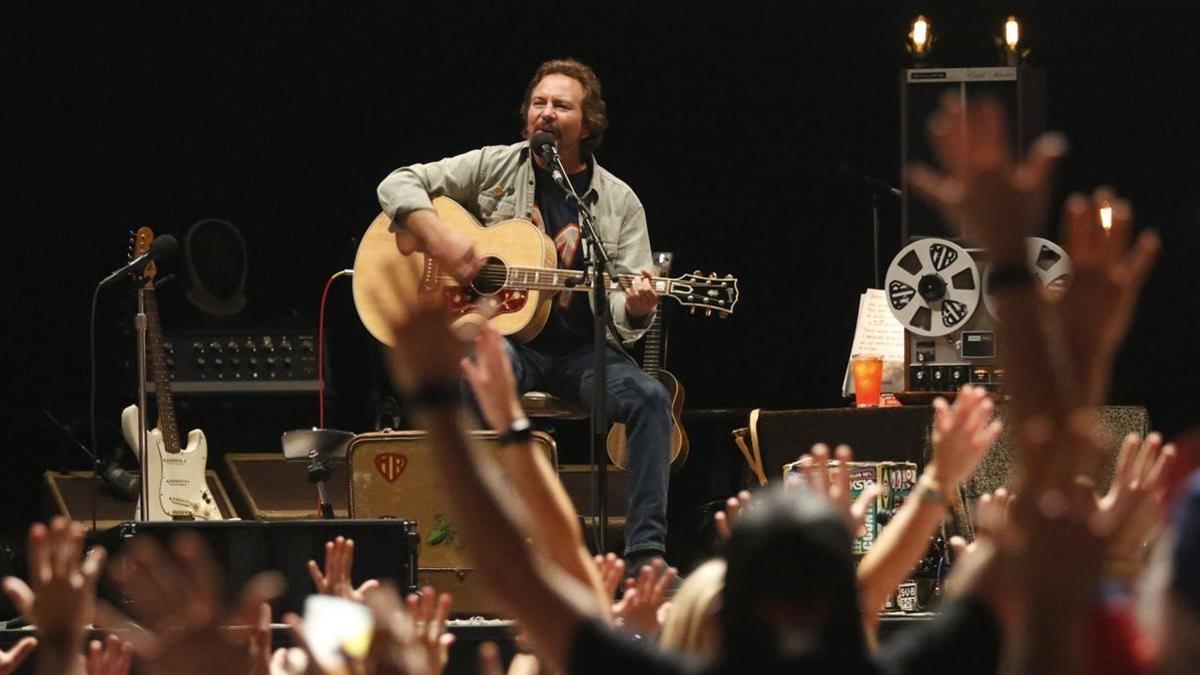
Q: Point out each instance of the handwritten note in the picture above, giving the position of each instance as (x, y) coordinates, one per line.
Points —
(877, 332)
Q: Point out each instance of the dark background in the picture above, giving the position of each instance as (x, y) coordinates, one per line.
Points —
(729, 119)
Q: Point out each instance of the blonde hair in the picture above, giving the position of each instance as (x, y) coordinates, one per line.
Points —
(691, 625)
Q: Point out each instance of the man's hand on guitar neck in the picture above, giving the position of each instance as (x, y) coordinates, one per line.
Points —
(452, 250)
(640, 297)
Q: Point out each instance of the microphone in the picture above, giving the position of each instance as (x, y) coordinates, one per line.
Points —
(543, 144)
(123, 483)
(161, 249)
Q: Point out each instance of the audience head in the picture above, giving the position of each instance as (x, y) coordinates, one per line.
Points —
(1185, 583)
(691, 625)
(790, 593)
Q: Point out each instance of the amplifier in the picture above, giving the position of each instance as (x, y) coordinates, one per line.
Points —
(383, 549)
(250, 362)
(77, 494)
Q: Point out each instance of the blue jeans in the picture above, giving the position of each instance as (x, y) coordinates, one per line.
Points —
(634, 398)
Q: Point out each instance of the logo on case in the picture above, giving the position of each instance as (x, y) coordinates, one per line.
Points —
(390, 465)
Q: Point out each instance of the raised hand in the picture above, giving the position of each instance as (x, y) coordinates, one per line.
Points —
(111, 657)
(1107, 276)
(426, 350)
(337, 577)
(725, 519)
(259, 642)
(178, 596)
(12, 659)
(60, 598)
(644, 595)
(962, 434)
(490, 375)
(834, 483)
(429, 612)
(612, 571)
(984, 190)
(397, 647)
(1132, 508)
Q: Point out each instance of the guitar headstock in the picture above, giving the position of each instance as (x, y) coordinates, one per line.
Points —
(139, 244)
(709, 293)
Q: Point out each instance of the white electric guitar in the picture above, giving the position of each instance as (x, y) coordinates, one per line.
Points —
(174, 479)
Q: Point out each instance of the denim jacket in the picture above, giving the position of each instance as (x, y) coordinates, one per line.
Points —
(496, 183)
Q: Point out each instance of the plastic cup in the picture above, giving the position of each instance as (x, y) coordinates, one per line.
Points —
(868, 379)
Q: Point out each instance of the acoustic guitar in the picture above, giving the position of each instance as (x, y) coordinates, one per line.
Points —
(516, 284)
(654, 353)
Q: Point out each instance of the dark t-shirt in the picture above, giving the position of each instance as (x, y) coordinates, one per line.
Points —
(569, 325)
(964, 639)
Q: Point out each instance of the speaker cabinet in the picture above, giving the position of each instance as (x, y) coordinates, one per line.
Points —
(75, 494)
(384, 550)
(265, 487)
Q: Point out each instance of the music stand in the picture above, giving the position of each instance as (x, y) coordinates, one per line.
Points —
(318, 447)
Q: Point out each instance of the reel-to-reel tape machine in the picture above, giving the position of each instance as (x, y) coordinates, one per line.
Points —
(935, 289)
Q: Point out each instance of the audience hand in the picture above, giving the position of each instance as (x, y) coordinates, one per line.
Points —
(612, 571)
(60, 597)
(178, 596)
(1132, 509)
(259, 642)
(429, 612)
(994, 199)
(339, 565)
(398, 647)
(112, 657)
(962, 434)
(834, 483)
(1106, 280)
(11, 660)
(490, 375)
(427, 351)
(725, 519)
(638, 609)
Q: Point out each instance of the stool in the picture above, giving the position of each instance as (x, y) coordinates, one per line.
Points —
(539, 404)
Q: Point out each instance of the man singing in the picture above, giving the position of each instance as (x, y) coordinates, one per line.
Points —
(502, 182)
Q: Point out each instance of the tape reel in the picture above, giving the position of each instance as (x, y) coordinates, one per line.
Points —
(933, 287)
(1049, 264)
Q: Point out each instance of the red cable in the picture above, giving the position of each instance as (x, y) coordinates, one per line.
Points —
(321, 347)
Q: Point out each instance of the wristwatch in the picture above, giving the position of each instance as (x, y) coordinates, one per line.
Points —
(520, 431)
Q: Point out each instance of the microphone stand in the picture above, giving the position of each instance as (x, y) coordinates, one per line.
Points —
(143, 435)
(596, 263)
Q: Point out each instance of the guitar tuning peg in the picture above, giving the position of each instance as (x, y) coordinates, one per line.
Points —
(713, 275)
(697, 272)
(708, 312)
(692, 310)
(728, 276)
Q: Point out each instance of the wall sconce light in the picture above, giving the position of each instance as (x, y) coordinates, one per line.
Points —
(920, 40)
(1010, 43)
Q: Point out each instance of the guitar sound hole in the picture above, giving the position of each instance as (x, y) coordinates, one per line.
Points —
(491, 276)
